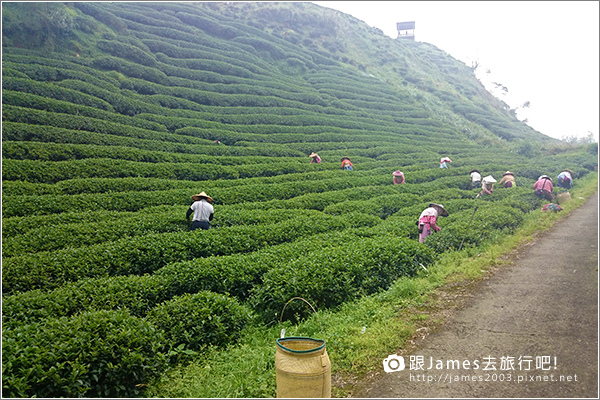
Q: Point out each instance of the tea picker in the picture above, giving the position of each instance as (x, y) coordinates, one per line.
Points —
(508, 179)
(565, 179)
(398, 177)
(487, 187)
(444, 162)
(428, 219)
(347, 164)
(203, 211)
(475, 176)
(543, 188)
(315, 158)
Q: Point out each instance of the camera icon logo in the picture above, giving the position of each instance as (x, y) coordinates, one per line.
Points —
(393, 363)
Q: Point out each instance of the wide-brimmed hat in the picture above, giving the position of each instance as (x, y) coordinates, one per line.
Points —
(489, 179)
(569, 171)
(474, 170)
(445, 159)
(313, 155)
(397, 173)
(201, 196)
(344, 158)
(544, 177)
(444, 211)
(508, 173)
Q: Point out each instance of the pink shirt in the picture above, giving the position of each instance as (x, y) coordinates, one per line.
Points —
(429, 217)
(544, 184)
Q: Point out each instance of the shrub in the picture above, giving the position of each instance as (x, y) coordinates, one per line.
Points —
(200, 320)
(53, 91)
(329, 278)
(95, 354)
(139, 255)
(235, 275)
(488, 222)
(131, 53)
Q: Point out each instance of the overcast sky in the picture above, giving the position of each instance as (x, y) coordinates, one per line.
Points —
(544, 52)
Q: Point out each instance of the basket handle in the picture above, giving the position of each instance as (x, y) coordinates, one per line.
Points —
(310, 305)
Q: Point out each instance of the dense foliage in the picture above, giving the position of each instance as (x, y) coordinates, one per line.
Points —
(115, 114)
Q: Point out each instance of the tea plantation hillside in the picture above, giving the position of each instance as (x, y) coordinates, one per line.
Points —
(115, 114)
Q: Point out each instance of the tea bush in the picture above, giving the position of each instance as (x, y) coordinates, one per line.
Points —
(487, 222)
(50, 90)
(80, 123)
(234, 274)
(58, 106)
(327, 279)
(48, 69)
(95, 354)
(167, 219)
(131, 53)
(139, 255)
(43, 133)
(137, 294)
(200, 320)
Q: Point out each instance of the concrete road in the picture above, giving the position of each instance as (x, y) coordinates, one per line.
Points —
(530, 330)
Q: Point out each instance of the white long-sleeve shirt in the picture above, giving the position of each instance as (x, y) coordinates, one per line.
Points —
(202, 210)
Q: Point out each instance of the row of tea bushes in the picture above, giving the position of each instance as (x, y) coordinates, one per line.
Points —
(18, 131)
(26, 100)
(138, 198)
(56, 171)
(19, 150)
(81, 123)
(139, 255)
(235, 274)
(95, 354)
(54, 69)
(163, 220)
(53, 91)
(110, 353)
(328, 279)
(301, 98)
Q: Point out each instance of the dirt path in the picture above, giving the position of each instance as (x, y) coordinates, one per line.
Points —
(542, 312)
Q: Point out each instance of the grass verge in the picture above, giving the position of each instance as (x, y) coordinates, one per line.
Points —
(360, 334)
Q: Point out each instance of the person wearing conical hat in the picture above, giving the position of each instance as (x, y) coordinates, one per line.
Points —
(444, 162)
(203, 211)
(475, 176)
(565, 179)
(315, 158)
(487, 187)
(428, 220)
(398, 177)
(508, 179)
(346, 164)
(543, 188)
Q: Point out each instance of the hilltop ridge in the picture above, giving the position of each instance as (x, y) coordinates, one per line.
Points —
(290, 43)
